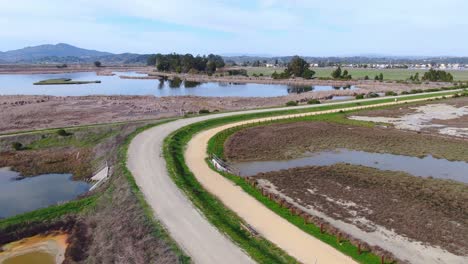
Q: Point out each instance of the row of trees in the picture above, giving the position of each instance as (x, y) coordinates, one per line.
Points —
(186, 63)
(297, 67)
(437, 76)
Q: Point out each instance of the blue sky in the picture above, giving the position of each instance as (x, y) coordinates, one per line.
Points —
(312, 28)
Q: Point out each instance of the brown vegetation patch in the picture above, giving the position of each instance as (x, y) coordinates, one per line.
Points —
(428, 210)
(290, 140)
(57, 160)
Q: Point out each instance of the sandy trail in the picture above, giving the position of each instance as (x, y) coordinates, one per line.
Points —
(186, 225)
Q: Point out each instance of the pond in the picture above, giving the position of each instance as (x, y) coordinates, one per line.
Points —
(19, 195)
(424, 167)
(13, 84)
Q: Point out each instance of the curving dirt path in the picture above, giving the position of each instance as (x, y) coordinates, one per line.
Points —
(186, 225)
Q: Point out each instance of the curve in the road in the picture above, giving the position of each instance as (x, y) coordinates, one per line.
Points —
(186, 225)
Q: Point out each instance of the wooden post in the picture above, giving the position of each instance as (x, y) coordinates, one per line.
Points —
(321, 228)
(382, 259)
(359, 249)
(338, 240)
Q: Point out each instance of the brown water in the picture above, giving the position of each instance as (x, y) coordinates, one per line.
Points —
(32, 258)
(38, 249)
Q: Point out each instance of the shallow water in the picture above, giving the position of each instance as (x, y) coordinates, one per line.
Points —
(20, 196)
(425, 167)
(37, 257)
(12, 84)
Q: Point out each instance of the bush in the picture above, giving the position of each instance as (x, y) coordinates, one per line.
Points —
(17, 146)
(63, 133)
(390, 93)
(204, 111)
(372, 95)
(291, 103)
(360, 96)
(313, 101)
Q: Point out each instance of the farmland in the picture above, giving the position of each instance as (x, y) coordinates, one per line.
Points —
(360, 73)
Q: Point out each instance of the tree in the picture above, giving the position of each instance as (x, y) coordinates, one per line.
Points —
(299, 68)
(97, 64)
(381, 76)
(437, 76)
(336, 74)
(366, 77)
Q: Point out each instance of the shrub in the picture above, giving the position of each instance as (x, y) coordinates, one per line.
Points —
(313, 101)
(372, 95)
(390, 93)
(405, 92)
(360, 96)
(204, 111)
(291, 103)
(63, 133)
(17, 146)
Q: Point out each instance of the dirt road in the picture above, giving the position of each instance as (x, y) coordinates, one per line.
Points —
(186, 225)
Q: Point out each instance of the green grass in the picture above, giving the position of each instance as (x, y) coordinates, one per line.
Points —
(88, 139)
(389, 74)
(62, 81)
(50, 213)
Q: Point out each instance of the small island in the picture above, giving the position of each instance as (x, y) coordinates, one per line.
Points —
(63, 81)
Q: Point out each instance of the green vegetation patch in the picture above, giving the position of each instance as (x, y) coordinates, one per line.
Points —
(63, 81)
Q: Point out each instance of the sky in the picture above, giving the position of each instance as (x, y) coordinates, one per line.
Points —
(261, 27)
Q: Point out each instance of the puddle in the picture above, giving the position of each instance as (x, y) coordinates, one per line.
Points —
(425, 167)
(19, 195)
(35, 250)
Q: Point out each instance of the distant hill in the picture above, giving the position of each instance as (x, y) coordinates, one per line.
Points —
(65, 53)
(31, 54)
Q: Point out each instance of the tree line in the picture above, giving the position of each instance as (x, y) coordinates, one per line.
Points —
(437, 76)
(186, 63)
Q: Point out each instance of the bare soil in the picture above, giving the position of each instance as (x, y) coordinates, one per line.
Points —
(458, 124)
(35, 112)
(290, 140)
(428, 210)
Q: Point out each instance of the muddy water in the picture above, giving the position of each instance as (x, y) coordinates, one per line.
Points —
(35, 250)
(425, 167)
(33, 258)
(12, 84)
(19, 195)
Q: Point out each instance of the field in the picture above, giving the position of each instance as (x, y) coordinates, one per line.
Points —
(389, 74)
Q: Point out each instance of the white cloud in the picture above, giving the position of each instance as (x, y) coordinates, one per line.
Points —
(308, 27)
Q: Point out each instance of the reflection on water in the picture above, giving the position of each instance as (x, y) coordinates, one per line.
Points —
(425, 167)
(27, 194)
(11, 84)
